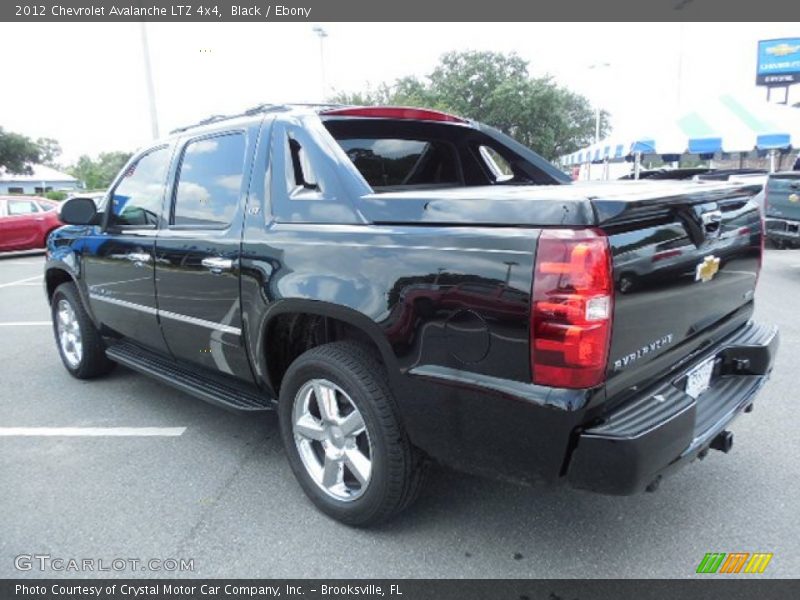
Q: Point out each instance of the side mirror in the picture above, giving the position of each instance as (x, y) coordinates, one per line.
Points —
(79, 211)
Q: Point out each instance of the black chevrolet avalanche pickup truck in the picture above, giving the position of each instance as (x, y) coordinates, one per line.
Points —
(405, 286)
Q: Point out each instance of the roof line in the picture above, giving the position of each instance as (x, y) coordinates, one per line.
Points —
(254, 110)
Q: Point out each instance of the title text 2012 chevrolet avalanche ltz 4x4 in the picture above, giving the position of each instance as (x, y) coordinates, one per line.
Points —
(403, 285)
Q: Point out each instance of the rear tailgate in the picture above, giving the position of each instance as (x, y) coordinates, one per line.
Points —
(685, 269)
(783, 196)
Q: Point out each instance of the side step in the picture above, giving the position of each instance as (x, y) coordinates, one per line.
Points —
(216, 389)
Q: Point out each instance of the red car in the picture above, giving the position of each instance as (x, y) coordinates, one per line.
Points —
(26, 221)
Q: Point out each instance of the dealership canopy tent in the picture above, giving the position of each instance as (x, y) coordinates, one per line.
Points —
(722, 125)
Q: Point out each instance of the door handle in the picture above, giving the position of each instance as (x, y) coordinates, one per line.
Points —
(139, 259)
(217, 264)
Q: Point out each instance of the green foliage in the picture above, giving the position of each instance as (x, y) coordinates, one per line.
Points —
(49, 151)
(17, 153)
(496, 89)
(98, 174)
(57, 196)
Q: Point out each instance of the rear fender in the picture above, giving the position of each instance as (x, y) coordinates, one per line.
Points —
(260, 344)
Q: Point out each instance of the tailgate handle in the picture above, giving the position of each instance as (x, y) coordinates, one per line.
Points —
(712, 221)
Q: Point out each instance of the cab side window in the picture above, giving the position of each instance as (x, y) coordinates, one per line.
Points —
(136, 201)
(208, 192)
(300, 177)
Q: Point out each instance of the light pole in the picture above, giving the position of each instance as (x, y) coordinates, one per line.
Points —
(595, 67)
(148, 75)
(321, 34)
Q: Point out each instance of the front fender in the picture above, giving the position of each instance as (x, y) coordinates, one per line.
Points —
(64, 263)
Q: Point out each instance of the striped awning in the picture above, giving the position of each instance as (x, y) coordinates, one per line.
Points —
(725, 124)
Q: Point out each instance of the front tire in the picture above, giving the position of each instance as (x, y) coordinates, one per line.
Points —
(79, 343)
(343, 436)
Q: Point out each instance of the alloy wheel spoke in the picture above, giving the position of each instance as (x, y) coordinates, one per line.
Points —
(360, 466)
(326, 401)
(332, 472)
(352, 424)
(310, 428)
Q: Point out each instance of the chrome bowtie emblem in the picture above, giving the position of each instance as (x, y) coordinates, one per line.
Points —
(707, 269)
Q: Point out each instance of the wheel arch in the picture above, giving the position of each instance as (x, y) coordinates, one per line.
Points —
(58, 272)
(54, 277)
(292, 326)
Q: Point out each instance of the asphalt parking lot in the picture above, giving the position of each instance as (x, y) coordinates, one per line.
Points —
(221, 493)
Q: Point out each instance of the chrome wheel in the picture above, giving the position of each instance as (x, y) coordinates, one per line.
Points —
(69, 333)
(332, 439)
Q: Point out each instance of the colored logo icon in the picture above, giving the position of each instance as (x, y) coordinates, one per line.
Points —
(734, 562)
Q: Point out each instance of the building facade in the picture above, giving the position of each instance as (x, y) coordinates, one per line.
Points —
(43, 179)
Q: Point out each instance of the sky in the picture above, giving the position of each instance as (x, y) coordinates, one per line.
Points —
(84, 84)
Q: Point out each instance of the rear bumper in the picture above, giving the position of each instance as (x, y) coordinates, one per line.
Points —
(665, 428)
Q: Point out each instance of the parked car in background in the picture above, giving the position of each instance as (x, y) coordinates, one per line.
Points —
(26, 221)
(782, 208)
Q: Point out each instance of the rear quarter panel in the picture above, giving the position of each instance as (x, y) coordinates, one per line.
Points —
(410, 283)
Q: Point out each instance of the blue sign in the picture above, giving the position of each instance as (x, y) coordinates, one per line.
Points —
(778, 62)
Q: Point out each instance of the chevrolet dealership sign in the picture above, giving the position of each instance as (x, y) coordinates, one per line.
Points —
(778, 62)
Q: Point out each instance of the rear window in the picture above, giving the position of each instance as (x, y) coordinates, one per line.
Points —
(388, 162)
(409, 154)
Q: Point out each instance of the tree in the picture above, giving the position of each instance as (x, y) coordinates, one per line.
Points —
(496, 89)
(17, 153)
(49, 151)
(98, 174)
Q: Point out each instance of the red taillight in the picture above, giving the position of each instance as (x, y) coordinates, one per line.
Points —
(393, 112)
(571, 308)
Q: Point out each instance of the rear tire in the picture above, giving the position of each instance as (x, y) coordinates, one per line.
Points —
(79, 343)
(349, 450)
